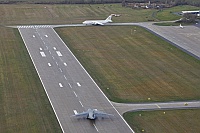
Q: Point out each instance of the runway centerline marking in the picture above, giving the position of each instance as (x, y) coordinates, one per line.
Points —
(65, 77)
(57, 63)
(65, 64)
(50, 52)
(81, 103)
(69, 85)
(46, 36)
(158, 106)
(42, 54)
(40, 48)
(49, 64)
(53, 57)
(60, 85)
(54, 48)
(96, 128)
(60, 69)
(75, 94)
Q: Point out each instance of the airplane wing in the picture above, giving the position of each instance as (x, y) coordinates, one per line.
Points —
(102, 114)
(81, 115)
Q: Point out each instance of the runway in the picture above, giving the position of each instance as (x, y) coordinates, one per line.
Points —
(67, 84)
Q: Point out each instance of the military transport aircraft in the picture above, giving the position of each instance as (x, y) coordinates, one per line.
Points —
(91, 114)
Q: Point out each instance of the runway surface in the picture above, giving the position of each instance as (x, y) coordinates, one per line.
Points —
(67, 84)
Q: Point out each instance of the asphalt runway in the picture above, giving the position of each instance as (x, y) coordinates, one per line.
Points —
(67, 84)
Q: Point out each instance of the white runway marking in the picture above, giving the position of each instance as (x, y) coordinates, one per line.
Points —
(81, 103)
(43, 54)
(53, 57)
(33, 35)
(50, 52)
(58, 52)
(78, 84)
(69, 85)
(65, 77)
(49, 64)
(56, 63)
(40, 48)
(46, 36)
(60, 85)
(96, 127)
(54, 48)
(158, 106)
(65, 64)
(47, 47)
(75, 112)
(75, 93)
(60, 69)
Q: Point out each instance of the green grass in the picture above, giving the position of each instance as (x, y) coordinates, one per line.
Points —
(176, 121)
(167, 14)
(24, 104)
(134, 64)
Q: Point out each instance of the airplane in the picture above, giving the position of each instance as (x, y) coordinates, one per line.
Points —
(99, 22)
(91, 114)
(181, 26)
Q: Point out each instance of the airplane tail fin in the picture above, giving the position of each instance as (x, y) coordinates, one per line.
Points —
(109, 18)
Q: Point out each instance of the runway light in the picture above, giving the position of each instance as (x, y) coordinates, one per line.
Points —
(163, 112)
(107, 88)
(140, 114)
(142, 130)
(149, 98)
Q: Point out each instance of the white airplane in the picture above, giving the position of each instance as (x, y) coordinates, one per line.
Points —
(91, 114)
(99, 22)
(181, 26)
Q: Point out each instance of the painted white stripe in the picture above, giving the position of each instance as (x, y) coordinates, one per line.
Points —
(60, 69)
(81, 103)
(40, 48)
(54, 48)
(47, 47)
(75, 93)
(33, 35)
(53, 57)
(69, 85)
(65, 77)
(58, 52)
(49, 64)
(50, 52)
(46, 36)
(96, 127)
(65, 64)
(75, 112)
(60, 85)
(43, 54)
(158, 106)
(78, 84)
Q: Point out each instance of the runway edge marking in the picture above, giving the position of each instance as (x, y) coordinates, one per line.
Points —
(41, 82)
(94, 81)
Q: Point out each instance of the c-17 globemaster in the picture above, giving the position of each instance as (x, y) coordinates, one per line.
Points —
(91, 114)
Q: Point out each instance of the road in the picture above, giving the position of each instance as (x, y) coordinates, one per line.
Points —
(67, 84)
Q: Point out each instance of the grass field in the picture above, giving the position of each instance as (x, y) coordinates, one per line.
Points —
(131, 65)
(24, 104)
(176, 121)
(66, 14)
(168, 14)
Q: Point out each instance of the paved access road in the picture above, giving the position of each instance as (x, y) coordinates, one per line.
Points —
(67, 84)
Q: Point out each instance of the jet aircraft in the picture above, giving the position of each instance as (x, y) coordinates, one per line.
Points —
(99, 22)
(91, 114)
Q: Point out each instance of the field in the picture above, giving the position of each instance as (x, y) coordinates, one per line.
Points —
(176, 121)
(25, 107)
(131, 65)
